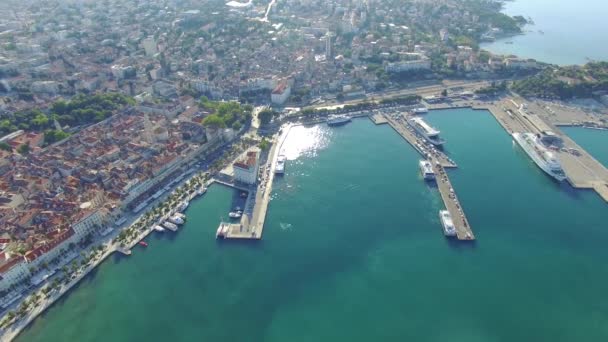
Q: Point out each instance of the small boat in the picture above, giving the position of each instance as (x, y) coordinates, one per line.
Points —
(201, 191)
(235, 214)
(170, 226)
(448, 225)
(176, 220)
(159, 228)
(143, 243)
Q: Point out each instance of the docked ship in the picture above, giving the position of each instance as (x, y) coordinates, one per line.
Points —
(169, 226)
(159, 228)
(280, 167)
(426, 169)
(446, 221)
(338, 120)
(176, 220)
(421, 110)
(428, 132)
(201, 191)
(183, 206)
(235, 214)
(543, 157)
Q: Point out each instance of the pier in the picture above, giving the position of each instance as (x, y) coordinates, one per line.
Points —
(419, 144)
(440, 162)
(251, 224)
(452, 204)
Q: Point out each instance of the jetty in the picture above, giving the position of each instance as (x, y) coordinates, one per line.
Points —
(440, 163)
(251, 224)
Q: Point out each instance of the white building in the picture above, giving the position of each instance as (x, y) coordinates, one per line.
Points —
(420, 64)
(280, 94)
(517, 63)
(246, 171)
(88, 220)
(12, 271)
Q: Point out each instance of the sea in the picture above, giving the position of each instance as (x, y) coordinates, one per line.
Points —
(563, 33)
(353, 250)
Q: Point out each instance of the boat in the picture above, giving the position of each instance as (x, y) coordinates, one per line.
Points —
(338, 120)
(448, 225)
(183, 206)
(541, 155)
(169, 226)
(235, 214)
(280, 167)
(159, 228)
(427, 170)
(180, 215)
(421, 110)
(176, 220)
(428, 132)
(143, 243)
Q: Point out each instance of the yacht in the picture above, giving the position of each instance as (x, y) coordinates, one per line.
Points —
(428, 132)
(235, 214)
(183, 206)
(541, 155)
(448, 225)
(159, 228)
(426, 169)
(421, 110)
(280, 167)
(201, 191)
(169, 226)
(176, 220)
(338, 120)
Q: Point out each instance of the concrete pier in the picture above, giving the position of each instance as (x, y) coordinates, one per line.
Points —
(400, 126)
(463, 229)
(251, 225)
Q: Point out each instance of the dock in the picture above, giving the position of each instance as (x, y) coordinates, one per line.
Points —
(401, 127)
(452, 204)
(378, 119)
(251, 224)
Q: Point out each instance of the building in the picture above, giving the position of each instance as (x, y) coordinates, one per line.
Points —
(150, 47)
(88, 220)
(403, 66)
(280, 94)
(13, 269)
(246, 171)
(328, 51)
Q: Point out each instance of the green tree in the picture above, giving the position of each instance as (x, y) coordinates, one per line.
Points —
(23, 149)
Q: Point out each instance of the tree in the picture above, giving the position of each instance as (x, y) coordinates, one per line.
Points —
(264, 144)
(444, 92)
(5, 146)
(23, 149)
(266, 116)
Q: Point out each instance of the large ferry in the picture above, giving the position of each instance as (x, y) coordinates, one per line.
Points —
(338, 120)
(280, 167)
(544, 158)
(426, 169)
(430, 133)
(448, 225)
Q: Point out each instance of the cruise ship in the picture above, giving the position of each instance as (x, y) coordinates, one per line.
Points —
(338, 120)
(544, 158)
(426, 169)
(280, 167)
(429, 133)
(446, 221)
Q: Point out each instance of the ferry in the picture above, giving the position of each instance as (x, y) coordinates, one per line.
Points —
(176, 220)
(143, 243)
(428, 132)
(170, 226)
(541, 155)
(280, 167)
(448, 225)
(421, 110)
(338, 120)
(159, 228)
(427, 170)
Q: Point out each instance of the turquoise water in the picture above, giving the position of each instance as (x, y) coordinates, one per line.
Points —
(353, 251)
(572, 31)
(592, 140)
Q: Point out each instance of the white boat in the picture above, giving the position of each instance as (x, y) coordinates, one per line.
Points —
(427, 131)
(180, 215)
(280, 167)
(176, 220)
(159, 228)
(183, 206)
(541, 155)
(201, 191)
(169, 226)
(448, 225)
(426, 169)
(338, 120)
(421, 110)
(235, 214)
